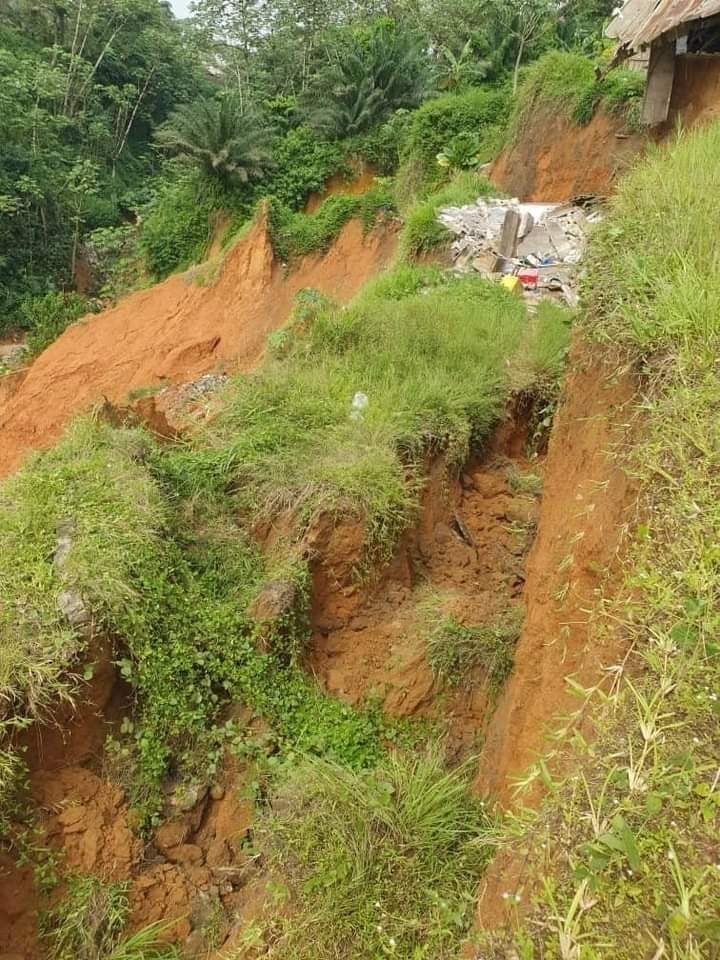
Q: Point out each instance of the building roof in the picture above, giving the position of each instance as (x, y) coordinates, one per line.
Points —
(642, 21)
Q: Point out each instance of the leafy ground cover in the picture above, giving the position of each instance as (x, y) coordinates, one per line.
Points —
(566, 84)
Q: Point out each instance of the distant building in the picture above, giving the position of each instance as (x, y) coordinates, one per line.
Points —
(679, 40)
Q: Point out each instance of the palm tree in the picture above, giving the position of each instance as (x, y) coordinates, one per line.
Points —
(365, 82)
(226, 142)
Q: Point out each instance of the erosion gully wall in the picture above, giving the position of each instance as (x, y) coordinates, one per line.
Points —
(554, 159)
(588, 505)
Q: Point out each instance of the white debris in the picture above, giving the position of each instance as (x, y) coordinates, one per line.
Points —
(550, 239)
(359, 403)
(548, 232)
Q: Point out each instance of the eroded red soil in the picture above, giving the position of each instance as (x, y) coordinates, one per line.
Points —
(178, 330)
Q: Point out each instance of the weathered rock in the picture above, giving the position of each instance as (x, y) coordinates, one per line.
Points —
(275, 601)
(217, 791)
(73, 608)
(171, 834)
(186, 853)
(188, 796)
(272, 611)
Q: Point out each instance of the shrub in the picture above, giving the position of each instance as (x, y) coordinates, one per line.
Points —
(297, 234)
(176, 225)
(302, 165)
(381, 147)
(378, 863)
(437, 122)
(46, 317)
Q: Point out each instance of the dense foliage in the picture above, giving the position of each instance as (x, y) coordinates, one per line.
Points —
(82, 85)
(115, 114)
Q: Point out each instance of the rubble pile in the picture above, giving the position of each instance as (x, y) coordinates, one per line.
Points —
(539, 244)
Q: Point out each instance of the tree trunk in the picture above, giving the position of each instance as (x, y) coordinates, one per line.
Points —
(518, 61)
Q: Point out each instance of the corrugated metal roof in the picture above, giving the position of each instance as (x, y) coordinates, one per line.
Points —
(641, 21)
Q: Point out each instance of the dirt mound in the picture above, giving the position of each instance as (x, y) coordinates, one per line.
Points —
(178, 330)
(554, 159)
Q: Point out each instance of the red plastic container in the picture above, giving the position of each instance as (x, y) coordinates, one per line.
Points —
(529, 277)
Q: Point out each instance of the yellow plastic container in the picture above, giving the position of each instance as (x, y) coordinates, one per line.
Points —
(512, 284)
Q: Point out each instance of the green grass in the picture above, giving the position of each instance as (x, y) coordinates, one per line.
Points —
(171, 584)
(623, 854)
(382, 863)
(88, 923)
(298, 234)
(430, 354)
(565, 85)
(94, 485)
(421, 231)
(457, 651)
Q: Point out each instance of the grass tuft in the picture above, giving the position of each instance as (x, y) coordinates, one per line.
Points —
(378, 863)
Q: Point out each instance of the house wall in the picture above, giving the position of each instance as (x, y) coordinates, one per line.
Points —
(696, 91)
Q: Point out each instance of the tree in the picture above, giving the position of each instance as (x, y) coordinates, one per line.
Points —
(462, 70)
(523, 21)
(225, 142)
(369, 75)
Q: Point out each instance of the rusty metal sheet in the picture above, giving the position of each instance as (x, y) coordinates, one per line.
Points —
(642, 21)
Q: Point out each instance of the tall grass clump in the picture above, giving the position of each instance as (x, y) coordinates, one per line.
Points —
(381, 863)
(431, 356)
(89, 923)
(625, 850)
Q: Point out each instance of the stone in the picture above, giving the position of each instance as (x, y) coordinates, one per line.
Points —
(72, 606)
(217, 791)
(185, 853)
(187, 796)
(72, 815)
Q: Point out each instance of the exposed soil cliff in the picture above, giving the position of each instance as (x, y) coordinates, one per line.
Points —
(553, 159)
(179, 329)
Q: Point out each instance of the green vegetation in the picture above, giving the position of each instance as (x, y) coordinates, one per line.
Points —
(381, 863)
(565, 83)
(176, 224)
(624, 851)
(89, 922)
(456, 651)
(421, 231)
(438, 124)
(225, 141)
(296, 234)
(287, 437)
(82, 87)
(178, 597)
(373, 72)
(97, 95)
(109, 534)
